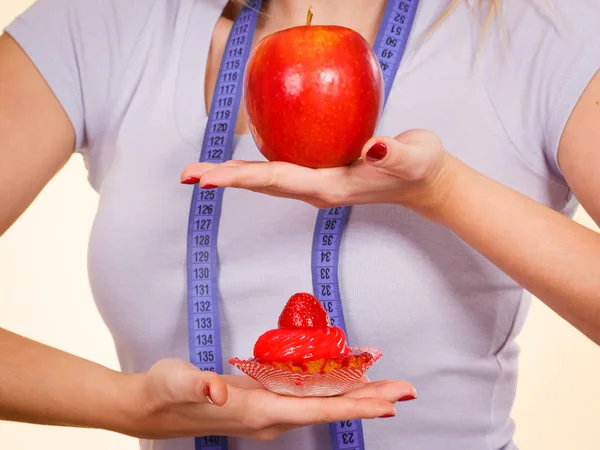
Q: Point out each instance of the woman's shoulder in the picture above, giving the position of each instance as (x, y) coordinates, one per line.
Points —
(82, 48)
(107, 15)
(552, 22)
(535, 62)
(525, 29)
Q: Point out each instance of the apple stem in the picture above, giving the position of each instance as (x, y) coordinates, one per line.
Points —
(309, 16)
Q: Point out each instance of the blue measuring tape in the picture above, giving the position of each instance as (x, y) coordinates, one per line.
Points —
(204, 328)
(389, 47)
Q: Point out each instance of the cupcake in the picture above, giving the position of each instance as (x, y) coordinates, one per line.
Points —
(306, 355)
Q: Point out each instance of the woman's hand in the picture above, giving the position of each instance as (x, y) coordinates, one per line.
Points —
(179, 400)
(173, 399)
(413, 169)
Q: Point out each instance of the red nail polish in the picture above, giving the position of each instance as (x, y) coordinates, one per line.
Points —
(385, 416)
(377, 152)
(206, 392)
(190, 180)
(406, 398)
(209, 186)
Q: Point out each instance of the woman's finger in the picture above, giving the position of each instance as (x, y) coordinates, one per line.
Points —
(410, 155)
(236, 162)
(392, 391)
(260, 176)
(242, 381)
(197, 170)
(314, 410)
(311, 200)
(182, 382)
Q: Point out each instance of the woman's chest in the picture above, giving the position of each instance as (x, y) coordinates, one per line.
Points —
(264, 244)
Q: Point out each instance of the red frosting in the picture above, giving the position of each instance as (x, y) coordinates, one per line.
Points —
(301, 344)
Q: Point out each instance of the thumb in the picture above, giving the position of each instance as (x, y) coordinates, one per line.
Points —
(185, 383)
(410, 155)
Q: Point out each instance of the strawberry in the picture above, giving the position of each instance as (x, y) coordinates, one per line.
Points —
(303, 310)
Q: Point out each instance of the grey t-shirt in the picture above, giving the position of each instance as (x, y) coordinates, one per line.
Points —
(130, 74)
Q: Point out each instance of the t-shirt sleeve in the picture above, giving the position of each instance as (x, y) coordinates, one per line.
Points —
(569, 86)
(81, 48)
(536, 73)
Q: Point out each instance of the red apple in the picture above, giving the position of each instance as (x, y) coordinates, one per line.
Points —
(313, 95)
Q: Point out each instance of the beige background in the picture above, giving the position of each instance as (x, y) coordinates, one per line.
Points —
(44, 295)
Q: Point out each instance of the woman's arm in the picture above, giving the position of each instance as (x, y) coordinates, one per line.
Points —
(38, 383)
(551, 256)
(36, 136)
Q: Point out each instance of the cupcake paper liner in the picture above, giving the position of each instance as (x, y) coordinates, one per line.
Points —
(319, 378)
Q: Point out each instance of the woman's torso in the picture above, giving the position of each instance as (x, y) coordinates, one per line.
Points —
(444, 317)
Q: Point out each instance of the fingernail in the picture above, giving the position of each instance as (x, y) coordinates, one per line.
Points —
(208, 186)
(377, 152)
(385, 416)
(206, 392)
(407, 397)
(190, 180)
